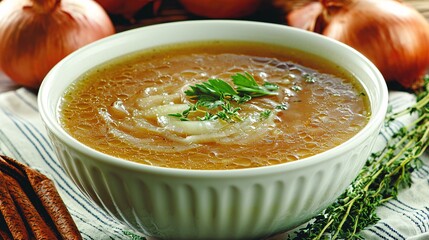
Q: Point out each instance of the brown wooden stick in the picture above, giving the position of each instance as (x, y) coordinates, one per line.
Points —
(51, 200)
(29, 213)
(34, 193)
(4, 231)
(11, 216)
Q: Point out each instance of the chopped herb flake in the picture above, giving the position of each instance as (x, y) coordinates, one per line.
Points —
(310, 78)
(296, 88)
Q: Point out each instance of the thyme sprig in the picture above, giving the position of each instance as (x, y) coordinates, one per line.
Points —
(385, 173)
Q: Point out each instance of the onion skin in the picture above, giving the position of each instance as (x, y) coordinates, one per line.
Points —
(305, 17)
(393, 35)
(37, 34)
(221, 8)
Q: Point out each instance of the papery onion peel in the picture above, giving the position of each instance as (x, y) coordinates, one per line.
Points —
(393, 35)
(37, 34)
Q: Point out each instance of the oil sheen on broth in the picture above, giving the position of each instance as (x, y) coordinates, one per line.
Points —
(123, 107)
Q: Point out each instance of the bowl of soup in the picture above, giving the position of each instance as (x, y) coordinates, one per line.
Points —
(213, 129)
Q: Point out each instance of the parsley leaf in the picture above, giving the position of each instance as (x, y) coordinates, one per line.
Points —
(211, 90)
(217, 99)
(246, 84)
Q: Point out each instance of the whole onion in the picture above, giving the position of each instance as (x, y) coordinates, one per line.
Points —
(37, 34)
(393, 35)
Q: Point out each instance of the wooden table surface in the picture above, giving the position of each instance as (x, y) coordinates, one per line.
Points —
(173, 12)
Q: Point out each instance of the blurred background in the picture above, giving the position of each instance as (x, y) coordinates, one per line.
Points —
(131, 14)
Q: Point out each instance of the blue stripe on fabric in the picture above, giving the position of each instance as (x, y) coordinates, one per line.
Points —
(76, 215)
(386, 232)
(405, 205)
(425, 169)
(425, 212)
(391, 229)
(385, 136)
(418, 174)
(398, 125)
(17, 121)
(377, 233)
(58, 166)
(420, 212)
(57, 173)
(11, 147)
(394, 127)
(422, 172)
(416, 223)
(24, 100)
(421, 223)
(388, 131)
(86, 236)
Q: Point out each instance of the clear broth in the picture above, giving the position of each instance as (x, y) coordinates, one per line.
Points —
(107, 107)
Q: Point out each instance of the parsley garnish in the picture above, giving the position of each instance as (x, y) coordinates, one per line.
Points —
(217, 99)
(310, 78)
(282, 106)
(246, 84)
(265, 114)
(296, 88)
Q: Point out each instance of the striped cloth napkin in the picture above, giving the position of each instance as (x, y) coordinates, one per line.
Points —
(23, 137)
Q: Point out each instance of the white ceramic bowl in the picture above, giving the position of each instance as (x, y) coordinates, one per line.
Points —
(208, 204)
